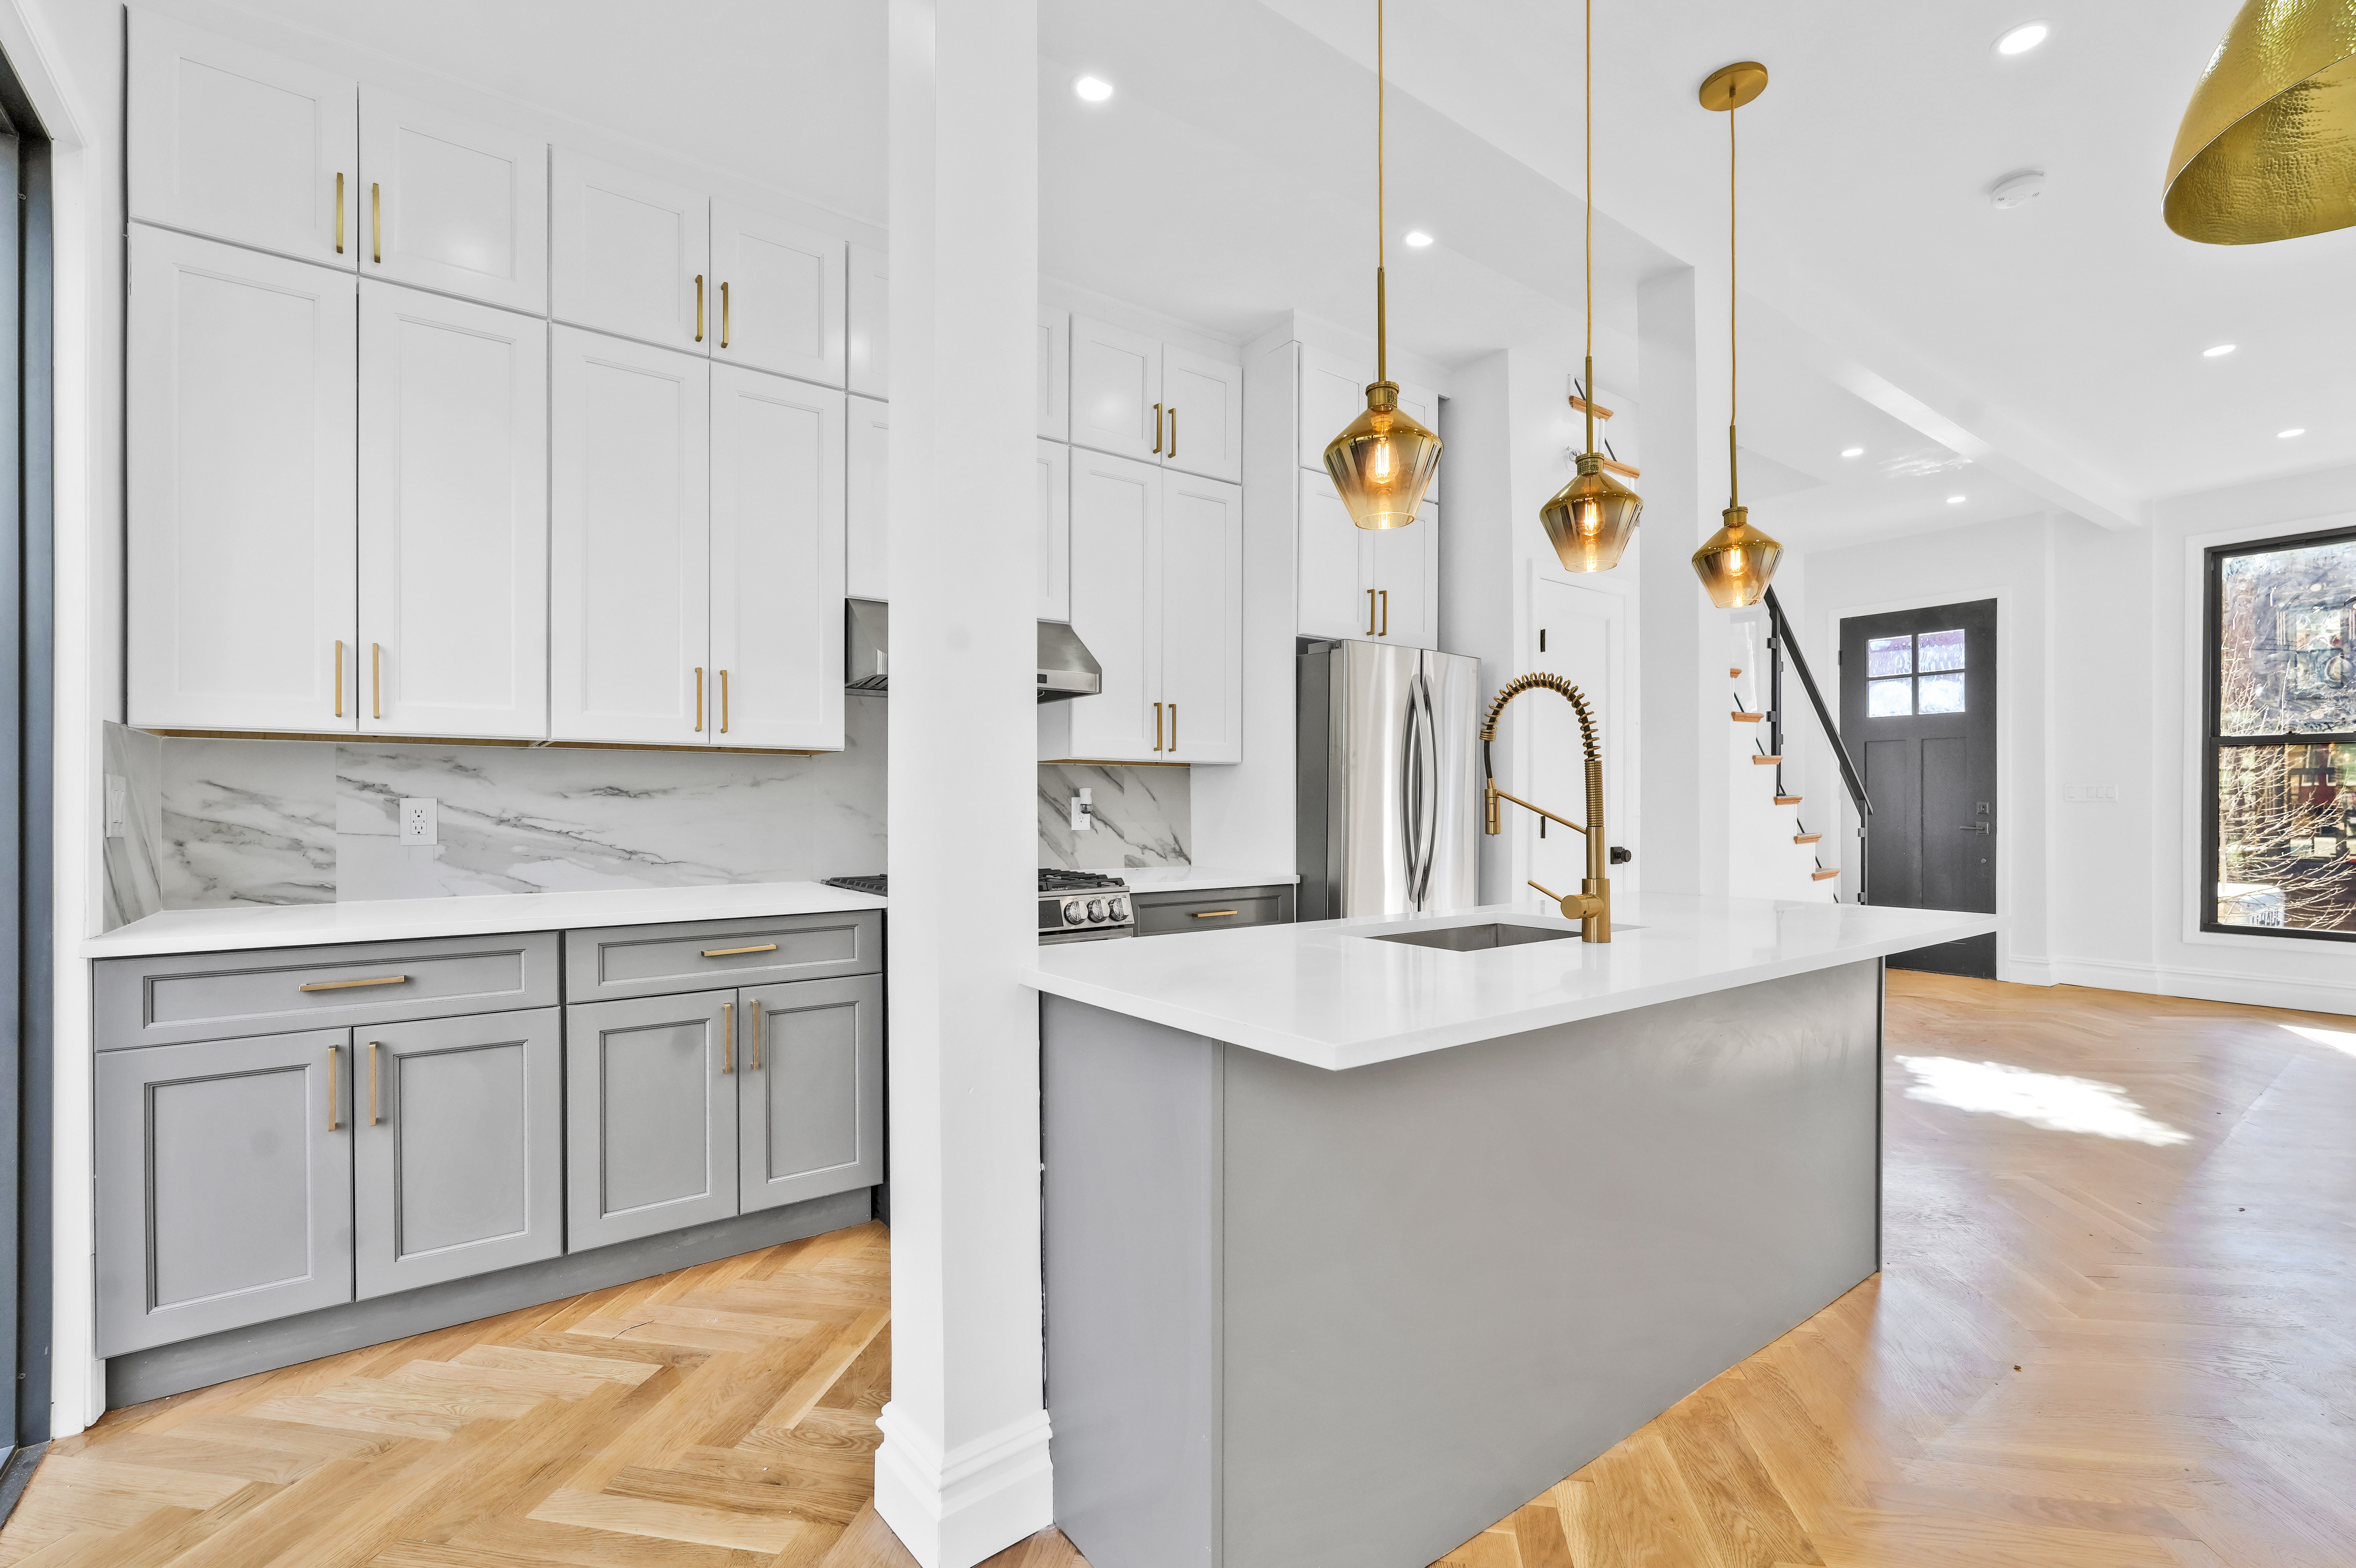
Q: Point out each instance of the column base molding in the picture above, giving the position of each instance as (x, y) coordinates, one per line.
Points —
(953, 1509)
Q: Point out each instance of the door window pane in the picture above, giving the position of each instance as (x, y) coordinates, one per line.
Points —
(1941, 694)
(1889, 656)
(1888, 698)
(2287, 623)
(2284, 836)
(1941, 650)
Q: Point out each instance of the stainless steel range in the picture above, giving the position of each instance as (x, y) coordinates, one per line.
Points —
(1074, 906)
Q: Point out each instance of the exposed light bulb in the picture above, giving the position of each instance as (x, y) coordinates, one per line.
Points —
(1092, 89)
(1591, 519)
(1380, 470)
(2023, 39)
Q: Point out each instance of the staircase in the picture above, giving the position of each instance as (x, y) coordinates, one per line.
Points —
(1771, 852)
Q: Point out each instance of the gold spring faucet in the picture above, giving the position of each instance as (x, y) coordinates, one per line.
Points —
(1592, 905)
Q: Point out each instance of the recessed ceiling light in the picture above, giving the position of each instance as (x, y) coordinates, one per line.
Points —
(1092, 89)
(2023, 39)
(1418, 238)
(2220, 351)
(2286, 434)
(1955, 500)
(1852, 451)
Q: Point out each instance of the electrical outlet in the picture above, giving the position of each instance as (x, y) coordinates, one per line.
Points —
(421, 820)
(1084, 812)
(118, 806)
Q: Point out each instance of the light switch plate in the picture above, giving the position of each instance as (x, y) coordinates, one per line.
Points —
(421, 820)
(118, 806)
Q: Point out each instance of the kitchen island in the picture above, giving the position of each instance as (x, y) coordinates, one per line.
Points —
(1361, 1234)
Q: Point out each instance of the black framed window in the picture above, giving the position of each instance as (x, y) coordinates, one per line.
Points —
(1919, 672)
(2280, 748)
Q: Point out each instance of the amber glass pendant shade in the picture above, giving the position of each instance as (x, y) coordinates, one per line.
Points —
(1383, 462)
(1591, 519)
(1736, 563)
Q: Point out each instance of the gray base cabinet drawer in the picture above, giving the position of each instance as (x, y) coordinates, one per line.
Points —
(224, 1185)
(1215, 909)
(651, 1091)
(810, 1105)
(619, 961)
(211, 995)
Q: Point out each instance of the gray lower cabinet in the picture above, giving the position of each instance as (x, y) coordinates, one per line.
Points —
(810, 1105)
(458, 1148)
(224, 1185)
(650, 1087)
(1211, 909)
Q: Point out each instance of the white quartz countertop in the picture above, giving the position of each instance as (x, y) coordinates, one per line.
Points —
(1167, 879)
(1328, 993)
(390, 920)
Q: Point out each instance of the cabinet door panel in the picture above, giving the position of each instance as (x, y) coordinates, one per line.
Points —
(1054, 373)
(1336, 584)
(1405, 564)
(1116, 390)
(240, 144)
(629, 600)
(866, 557)
(784, 307)
(1054, 532)
(240, 413)
(453, 204)
(454, 516)
(1116, 522)
(224, 1195)
(1333, 393)
(1201, 558)
(459, 1148)
(650, 1115)
(812, 1105)
(1206, 408)
(628, 253)
(868, 368)
(776, 561)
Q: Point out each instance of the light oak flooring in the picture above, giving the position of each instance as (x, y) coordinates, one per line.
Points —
(2087, 1351)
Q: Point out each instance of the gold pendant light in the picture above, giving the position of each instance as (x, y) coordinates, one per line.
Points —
(1383, 462)
(1736, 563)
(2267, 150)
(1591, 519)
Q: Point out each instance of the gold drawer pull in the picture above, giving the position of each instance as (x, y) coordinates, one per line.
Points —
(757, 1036)
(333, 1125)
(1212, 913)
(348, 984)
(726, 952)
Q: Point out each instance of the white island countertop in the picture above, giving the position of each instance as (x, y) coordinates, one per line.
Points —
(1330, 995)
(395, 919)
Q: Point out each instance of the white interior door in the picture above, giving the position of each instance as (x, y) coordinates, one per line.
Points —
(1116, 606)
(628, 253)
(1580, 631)
(453, 204)
(776, 561)
(1406, 579)
(1336, 587)
(629, 521)
(453, 516)
(240, 144)
(240, 412)
(1116, 390)
(869, 369)
(1054, 532)
(1202, 557)
(782, 303)
(866, 477)
(1204, 409)
(1054, 373)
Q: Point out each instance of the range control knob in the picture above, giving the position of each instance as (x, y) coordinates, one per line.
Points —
(1075, 912)
(1115, 909)
(1095, 909)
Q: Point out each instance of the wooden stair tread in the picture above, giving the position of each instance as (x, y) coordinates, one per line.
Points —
(1582, 406)
(1787, 800)
(1807, 837)
(1733, 674)
(1827, 872)
(1766, 761)
(1749, 718)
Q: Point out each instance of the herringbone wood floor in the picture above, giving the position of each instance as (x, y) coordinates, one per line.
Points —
(2084, 1352)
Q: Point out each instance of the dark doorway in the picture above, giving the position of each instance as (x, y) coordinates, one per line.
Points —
(1918, 710)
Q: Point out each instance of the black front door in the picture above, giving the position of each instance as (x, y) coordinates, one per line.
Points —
(1918, 710)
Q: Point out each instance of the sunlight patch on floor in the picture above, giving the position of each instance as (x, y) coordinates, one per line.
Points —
(2337, 1039)
(2048, 1100)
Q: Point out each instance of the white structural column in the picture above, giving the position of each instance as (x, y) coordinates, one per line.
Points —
(963, 1470)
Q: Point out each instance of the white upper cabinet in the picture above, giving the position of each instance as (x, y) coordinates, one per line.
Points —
(240, 415)
(628, 253)
(781, 295)
(1202, 404)
(866, 572)
(870, 367)
(1117, 606)
(233, 142)
(1054, 373)
(629, 531)
(1116, 393)
(452, 204)
(1054, 532)
(1403, 566)
(453, 516)
(1368, 584)
(1333, 392)
(776, 561)
(1201, 561)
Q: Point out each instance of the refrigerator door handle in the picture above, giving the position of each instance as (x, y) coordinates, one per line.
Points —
(1423, 790)
(1410, 791)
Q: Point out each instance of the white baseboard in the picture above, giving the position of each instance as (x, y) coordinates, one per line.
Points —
(2204, 985)
(953, 1509)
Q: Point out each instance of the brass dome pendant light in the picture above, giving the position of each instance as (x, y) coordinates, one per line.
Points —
(1736, 563)
(1591, 519)
(2268, 149)
(1383, 462)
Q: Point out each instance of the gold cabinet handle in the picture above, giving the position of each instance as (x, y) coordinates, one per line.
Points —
(339, 677)
(1212, 913)
(1157, 726)
(339, 212)
(372, 1118)
(699, 307)
(1157, 429)
(756, 1037)
(724, 702)
(348, 984)
(731, 951)
(699, 699)
(376, 220)
(727, 1037)
(723, 315)
(334, 1124)
(376, 680)
(1174, 727)
(1387, 613)
(1370, 611)
(1173, 429)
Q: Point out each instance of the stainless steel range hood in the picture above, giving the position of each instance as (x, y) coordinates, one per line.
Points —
(1066, 668)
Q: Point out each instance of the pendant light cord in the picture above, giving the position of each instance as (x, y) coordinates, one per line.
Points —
(1382, 221)
(1733, 334)
(1591, 227)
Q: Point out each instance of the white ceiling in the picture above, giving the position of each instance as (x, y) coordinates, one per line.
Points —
(2057, 348)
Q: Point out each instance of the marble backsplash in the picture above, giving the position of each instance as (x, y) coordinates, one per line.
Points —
(1144, 816)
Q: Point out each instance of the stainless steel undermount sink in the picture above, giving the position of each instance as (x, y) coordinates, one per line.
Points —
(1473, 938)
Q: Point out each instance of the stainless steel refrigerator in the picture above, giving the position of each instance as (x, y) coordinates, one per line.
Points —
(1390, 784)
